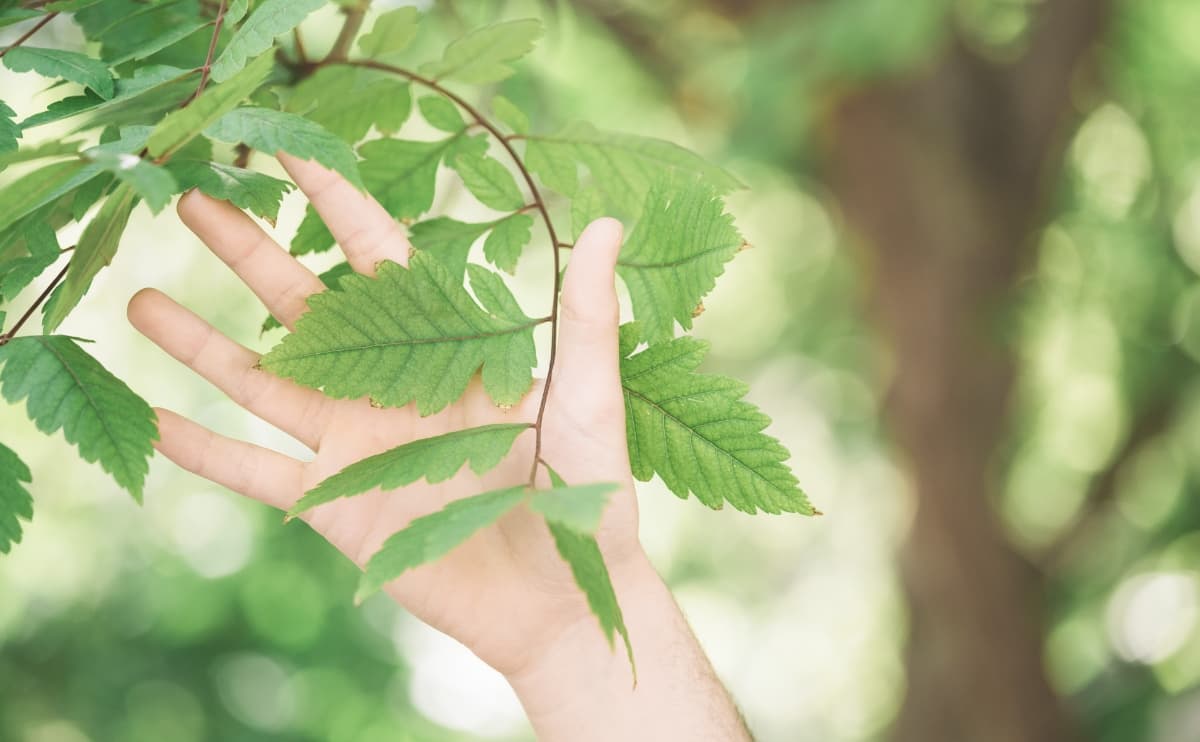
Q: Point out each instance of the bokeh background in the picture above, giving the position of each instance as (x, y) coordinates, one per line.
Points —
(973, 312)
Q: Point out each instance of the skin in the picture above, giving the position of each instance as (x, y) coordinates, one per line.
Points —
(505, 593)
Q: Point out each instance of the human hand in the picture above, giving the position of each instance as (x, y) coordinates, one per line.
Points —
(505, 593)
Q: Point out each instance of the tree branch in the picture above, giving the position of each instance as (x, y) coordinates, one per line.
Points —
(350, 28)
(36, 303)
(29, 34)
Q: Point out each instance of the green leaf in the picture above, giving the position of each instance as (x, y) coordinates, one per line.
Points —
(432, 536)
(488, 181)
(350, 100)
(272, 131)
(95, 250)
(54, 63)
(180, 127)
(578, 508)
(392, 33)
(65, 388)
(582, 554)
(157, 42)
(312, 236)
(494, 295)
(509, 115)
(330, 278)
(695, 431)
(41, 188)
(42, 151)
(411, 334)
(9, 131)
(9, 16)
(508, 238)
(441, 114)
(237, 11)
(433, 459)
(270, 19)
(15, 501)
(623, 166)
(154, 184)
(675, 254)
(484, 55)
(402, 174)
(448, 240)
(260, 194)
(586, 207)
(143, 97)
(42, 246)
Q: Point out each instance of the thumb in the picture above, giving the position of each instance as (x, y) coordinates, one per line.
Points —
(590, 315)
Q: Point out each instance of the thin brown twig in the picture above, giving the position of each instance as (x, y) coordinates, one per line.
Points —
(29, 34)
(6, 337)
(345, 38)
(212, 51)
(538, 202)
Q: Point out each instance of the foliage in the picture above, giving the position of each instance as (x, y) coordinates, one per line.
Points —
(170, 79)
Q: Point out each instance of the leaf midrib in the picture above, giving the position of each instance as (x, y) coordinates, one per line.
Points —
(415, 341)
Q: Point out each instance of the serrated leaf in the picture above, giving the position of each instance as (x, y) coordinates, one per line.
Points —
(15, 501)
(180, 127)
(9, 131)
(56, 63)
(95, 250)
(675, 254)
(246, 189)
(65, 388)
(485, 54)
(312, 236)
(696, 432)
(150, 92)
(392, 33)
(269, 19)
(586, 207)
(622, 166)
(42, 247)
(434, 459)
(152, 183)
(330, 278)
(272, 131)
(45, 150)
(507, 240)
(350, 100)
(402, 174)
(509, 115)
(157, 42)
(237, 11)
(494, 295)
(582, 554)
(432, 536)
(40, 188)
(441, 114)
(411, 334)
(448, 240)
(488, 181)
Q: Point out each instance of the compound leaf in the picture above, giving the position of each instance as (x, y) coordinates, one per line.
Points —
(55, 63)
(411, 334)
(15, 501)
(485, 54)
(441, 114)
(698, 434)
(578, 508)
(272, 131)
(508, 238)
(65, 388)
(488, 180)
(435, 459)
(402, 174)
(432, 536)
(448, 240)
(270, 19)
(675, 253)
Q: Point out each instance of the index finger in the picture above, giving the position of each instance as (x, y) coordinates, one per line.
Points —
(366, 232)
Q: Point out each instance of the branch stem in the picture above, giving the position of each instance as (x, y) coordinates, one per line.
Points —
(212, 51)
(538, 202)
(350, 28)
(29, 34)
(36, 303)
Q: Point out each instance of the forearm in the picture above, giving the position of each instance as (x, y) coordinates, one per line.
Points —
(580, 690)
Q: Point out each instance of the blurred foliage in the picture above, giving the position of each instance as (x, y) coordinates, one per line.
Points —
(203, 618)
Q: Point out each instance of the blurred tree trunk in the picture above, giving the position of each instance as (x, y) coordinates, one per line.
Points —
(945, 178)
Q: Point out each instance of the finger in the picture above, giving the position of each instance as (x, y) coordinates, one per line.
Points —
(363, 228)
(278, 279)
(589, 317)
(230, 367)
(256, 472)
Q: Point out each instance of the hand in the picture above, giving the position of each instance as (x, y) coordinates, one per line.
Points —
(504, 592)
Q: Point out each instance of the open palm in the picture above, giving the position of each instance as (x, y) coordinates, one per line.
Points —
(503, 592)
